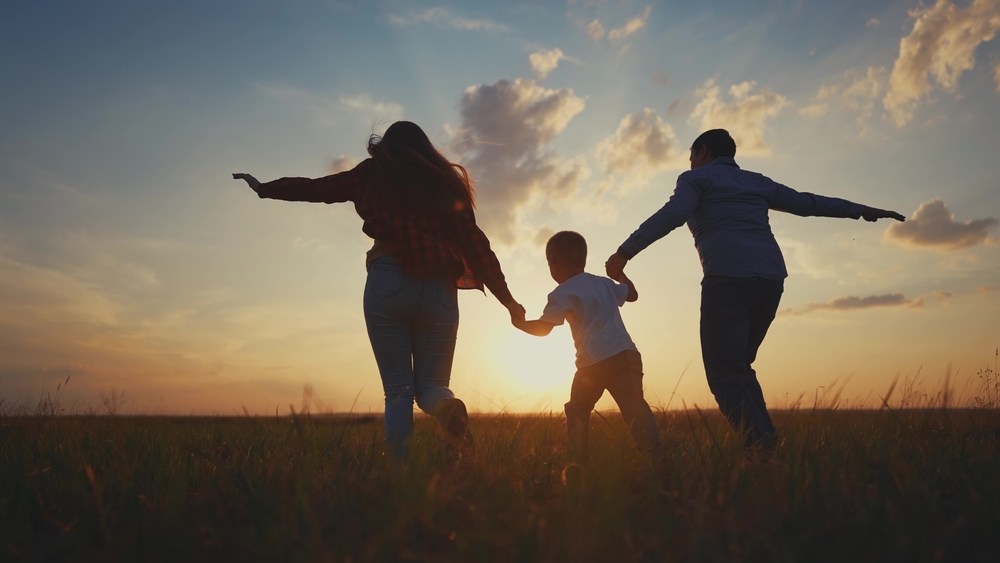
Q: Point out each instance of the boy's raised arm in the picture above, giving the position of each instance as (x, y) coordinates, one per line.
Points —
(633, 293)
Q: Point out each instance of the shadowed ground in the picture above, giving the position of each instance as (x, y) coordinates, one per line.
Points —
(855, 485)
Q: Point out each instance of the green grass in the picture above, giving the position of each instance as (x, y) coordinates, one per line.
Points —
(855, 485)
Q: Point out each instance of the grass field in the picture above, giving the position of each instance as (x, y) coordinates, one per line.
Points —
(887, 485)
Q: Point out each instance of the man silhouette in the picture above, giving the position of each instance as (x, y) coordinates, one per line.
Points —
(726, 209)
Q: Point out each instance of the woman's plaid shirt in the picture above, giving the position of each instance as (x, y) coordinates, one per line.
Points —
(422, 245)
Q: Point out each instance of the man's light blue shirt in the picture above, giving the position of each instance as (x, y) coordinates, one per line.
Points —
(726, 209)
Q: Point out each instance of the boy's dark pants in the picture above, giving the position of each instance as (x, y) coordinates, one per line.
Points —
(735, 316)
(620, 374)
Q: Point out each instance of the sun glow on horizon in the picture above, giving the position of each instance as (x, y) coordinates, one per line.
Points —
(541, 364)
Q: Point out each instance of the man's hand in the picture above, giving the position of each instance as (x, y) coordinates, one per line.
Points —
(615, 266)
(872, 214)
(250, 180)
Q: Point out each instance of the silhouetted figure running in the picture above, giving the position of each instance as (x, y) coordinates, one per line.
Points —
(418, 207)
(726, 209)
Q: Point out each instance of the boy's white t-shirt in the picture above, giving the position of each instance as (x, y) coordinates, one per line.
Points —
(590, 303)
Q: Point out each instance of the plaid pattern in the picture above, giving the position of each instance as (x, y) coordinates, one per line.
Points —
(422, 245)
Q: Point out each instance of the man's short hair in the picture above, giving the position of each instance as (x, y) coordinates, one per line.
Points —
(718, 141)
(567, 248)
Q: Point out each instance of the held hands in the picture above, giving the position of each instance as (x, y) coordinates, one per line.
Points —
(517, 312)
(250, 180)
(872, 214)
(615, 267)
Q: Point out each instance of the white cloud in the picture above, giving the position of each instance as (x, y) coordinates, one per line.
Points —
(325, 108)
(873, 23)
(934, 226)
(642, 145)
(852, 92)
(595, 30)
(544, 62)
(506, 126)
(365, 104)
(941, 45)
(342, 163)
(443, 17)
(815, 109)
(743, 117)
(631, 26)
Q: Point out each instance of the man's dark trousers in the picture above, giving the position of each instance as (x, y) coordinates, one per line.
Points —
(735, 316)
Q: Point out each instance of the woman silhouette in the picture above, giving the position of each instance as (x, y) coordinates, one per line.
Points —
(418, 207)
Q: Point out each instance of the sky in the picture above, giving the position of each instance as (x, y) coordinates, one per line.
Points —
(135, 271)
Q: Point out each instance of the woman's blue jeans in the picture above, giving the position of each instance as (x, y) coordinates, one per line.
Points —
(412, 324)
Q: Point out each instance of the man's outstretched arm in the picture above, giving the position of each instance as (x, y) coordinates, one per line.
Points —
(805, 204)
(673, 214)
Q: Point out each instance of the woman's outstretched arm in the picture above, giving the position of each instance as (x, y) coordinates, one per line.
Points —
(250, 180)
(336, 188)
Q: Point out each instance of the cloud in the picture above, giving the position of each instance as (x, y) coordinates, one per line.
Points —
(941, 45)
(854, 303)
(443, 17)
(365, 104)
(506, 127)
(872, 23)
(544, 62)
(852, 92)
(661, 78)
(543, 235)
(324, 108)
(342, 163)
(642, 145)
(631, 26)
(594, 30)
(44, 295)
(743, 117)
(933, 226)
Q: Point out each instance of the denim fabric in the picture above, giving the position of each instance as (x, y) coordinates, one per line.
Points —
(621, 375)
(735, 316)
(412, 325)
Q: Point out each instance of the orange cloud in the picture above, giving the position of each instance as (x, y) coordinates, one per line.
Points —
(342, 163)
(934, 226)
(631, 26)
(642, 146)
(854, 303)
(853, 92)
(743, 117)
(544, 62)
(942, 46)
(507, 126)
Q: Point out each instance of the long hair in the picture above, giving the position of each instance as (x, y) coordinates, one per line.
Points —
(408, 172)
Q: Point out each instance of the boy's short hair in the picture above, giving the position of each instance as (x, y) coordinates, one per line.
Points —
(718, 141)
(567, 248)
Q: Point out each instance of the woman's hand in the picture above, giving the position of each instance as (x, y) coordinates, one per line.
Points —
(517, 312)
(250, 180)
